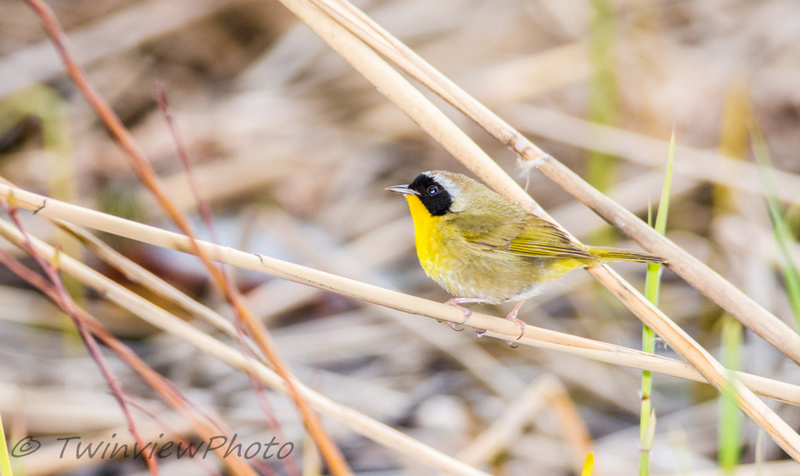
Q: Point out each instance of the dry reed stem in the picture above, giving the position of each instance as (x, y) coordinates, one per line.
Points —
(137, 274)
(203, 424)
(330, 452)
(484, 366)
(434, 122)
(498, 177)
(160, 318)
(499, 328)
(243, 313)
(702, 278)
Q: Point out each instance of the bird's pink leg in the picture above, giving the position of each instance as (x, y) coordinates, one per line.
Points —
(457, 302)
(512, 316)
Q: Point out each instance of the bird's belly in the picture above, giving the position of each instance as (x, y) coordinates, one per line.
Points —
(465, 271)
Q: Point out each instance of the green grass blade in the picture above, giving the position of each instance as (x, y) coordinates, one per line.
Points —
(663, 205)
(730, 418)
(780, 227)
(647, 419)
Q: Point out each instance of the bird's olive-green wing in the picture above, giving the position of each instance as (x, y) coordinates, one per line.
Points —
(526, 235)
(487, 229)
(543, 239)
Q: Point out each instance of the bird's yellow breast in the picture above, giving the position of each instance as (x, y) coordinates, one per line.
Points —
(427, 237)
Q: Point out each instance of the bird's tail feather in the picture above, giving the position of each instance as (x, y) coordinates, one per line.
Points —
(613, 254)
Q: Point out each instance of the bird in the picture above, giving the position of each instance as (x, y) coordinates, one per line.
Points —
(483, 248)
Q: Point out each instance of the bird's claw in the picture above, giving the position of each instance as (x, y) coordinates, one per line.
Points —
(456, 302)
(454, 325)
(521, 325)
(467, 313)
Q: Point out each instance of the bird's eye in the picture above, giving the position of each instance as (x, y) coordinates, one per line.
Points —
(433, 190)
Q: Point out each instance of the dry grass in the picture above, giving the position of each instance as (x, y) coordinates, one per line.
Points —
(293, 149)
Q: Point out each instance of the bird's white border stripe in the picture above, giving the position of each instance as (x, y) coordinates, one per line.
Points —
(451, 187)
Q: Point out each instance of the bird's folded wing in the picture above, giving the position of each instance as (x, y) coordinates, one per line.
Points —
(528, 236)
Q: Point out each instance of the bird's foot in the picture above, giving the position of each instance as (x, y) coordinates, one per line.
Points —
(512, 316)
(456, 302)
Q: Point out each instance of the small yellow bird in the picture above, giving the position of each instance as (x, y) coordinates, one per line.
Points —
(482, 247)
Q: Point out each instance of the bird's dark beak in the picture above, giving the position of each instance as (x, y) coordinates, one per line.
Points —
(402, 189)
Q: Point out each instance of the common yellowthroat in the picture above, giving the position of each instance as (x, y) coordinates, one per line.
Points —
(482, 247)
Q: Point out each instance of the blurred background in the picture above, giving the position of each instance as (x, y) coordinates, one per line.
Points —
(293, 149)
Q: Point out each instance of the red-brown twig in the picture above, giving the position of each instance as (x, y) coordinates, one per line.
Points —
(147, 175)
(204, 209)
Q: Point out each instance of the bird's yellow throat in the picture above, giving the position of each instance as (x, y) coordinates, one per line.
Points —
(426, 234)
